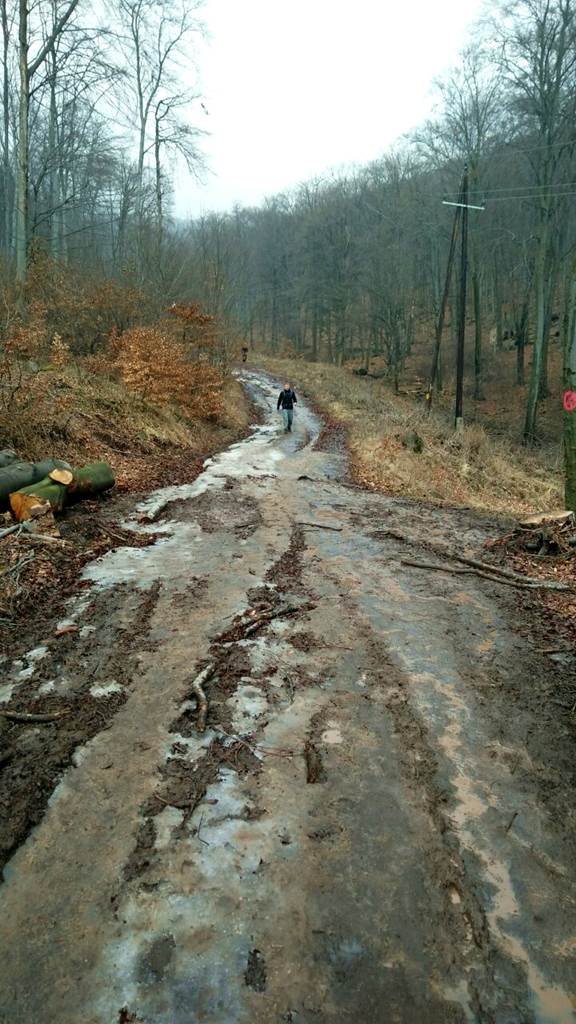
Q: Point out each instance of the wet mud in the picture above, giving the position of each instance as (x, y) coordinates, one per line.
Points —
(376, 823)
(81, 675)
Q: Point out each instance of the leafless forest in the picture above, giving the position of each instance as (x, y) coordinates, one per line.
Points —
(98, 107)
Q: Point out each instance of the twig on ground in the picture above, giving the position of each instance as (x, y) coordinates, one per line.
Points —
(44, 538)
(521, 582)
(268, 617)
(290, 687)
(197, 690)
(199, 829)
(17, 565)
(511, 822)
(234, 736)
(447, 552)
(111, 533)
(172, 803)
(21, 716)
(11, 529)
(322, 526)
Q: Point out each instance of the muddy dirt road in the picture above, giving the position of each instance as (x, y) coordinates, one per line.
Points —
(376, 825)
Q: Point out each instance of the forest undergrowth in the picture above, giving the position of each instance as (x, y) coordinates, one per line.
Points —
(90, 374)
(96, 371)
(397, 448)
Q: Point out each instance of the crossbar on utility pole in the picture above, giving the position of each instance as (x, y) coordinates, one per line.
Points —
(467, 206)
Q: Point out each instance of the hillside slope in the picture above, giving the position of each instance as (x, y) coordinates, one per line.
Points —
(397, 448)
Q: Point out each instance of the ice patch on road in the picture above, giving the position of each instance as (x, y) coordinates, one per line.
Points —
(248, 704)
(179, 551)
(165, 823)
(105, 689)
(24, 668)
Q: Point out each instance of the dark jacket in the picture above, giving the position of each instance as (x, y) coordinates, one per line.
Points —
(286, 399)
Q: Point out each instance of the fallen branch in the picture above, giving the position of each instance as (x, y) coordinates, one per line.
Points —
(198, 691)
(521, 583)
(511, 822)
(268, 616)
(11, 529)
(43, 538)
(17, 565)
(20, 716)
(322, 526)
(475, 563)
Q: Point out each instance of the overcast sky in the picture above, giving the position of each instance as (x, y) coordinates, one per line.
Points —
(294, 88)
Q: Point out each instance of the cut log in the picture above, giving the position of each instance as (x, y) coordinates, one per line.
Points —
(24, 474)
(7, 457)
(20, 474)
(29, 502)
(92, 479)
(62, 476)
(45, 467)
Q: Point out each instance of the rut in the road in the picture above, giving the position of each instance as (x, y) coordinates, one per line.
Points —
(86, 681)
(183, 785)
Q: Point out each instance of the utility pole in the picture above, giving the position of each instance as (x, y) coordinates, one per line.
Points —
(442, 314)
(458, 416)
(462, 207)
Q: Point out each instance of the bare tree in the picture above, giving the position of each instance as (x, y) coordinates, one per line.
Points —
(28, 69)
(538, 59)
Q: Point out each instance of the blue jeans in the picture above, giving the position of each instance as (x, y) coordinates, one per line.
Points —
(287, 416)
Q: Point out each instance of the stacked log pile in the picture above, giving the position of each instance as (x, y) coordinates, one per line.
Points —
(31, 489)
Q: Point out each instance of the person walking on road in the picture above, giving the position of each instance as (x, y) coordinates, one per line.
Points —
(286, 401)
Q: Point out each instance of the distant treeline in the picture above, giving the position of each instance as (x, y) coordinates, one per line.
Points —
(94, 115)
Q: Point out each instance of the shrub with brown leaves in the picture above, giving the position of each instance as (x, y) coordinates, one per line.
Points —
(155, 365)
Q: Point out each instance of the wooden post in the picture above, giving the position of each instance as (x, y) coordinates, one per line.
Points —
(458, 411)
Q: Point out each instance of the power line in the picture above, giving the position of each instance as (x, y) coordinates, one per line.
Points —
(535, 149)
(514, 188)
(554, 195)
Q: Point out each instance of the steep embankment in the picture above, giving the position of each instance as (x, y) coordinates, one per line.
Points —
(84, 417)
(398, 449)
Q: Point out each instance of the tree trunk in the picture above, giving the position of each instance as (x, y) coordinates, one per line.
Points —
(544, 391)
(478, 390)
(539, 334)
(369, 348)
(6, 169)
(25, 502)
(22, 474)
(569, 412)
(498, 309)
(53, 161)
(23, 147)
(314, 337)
(159, 197)
(521, 328)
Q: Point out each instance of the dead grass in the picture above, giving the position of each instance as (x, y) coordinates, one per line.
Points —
(473, 469)
(83, 416)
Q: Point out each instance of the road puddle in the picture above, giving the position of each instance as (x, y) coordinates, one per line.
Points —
(180, 549)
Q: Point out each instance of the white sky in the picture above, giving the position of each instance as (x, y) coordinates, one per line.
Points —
(295, 88)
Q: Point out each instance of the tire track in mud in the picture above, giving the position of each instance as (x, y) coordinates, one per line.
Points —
(38, 756)
(467, 932)
(183, 782)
